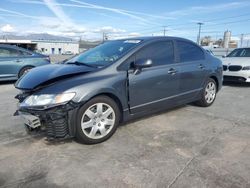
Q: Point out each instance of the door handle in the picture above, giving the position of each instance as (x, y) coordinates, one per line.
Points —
(18, 61)
(201, 66)
(172, 71)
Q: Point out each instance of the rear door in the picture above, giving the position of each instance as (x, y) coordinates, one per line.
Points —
(156, 86)
(193, 68)
(10, 62)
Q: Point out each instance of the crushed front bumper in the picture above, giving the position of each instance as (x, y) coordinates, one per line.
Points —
(30, 120)
(57, 122)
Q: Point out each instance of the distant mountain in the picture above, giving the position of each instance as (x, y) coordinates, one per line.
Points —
(89, 44)
(42, 36)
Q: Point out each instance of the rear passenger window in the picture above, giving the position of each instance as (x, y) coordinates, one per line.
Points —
(189, 52)
(23, 53)
(161, 53)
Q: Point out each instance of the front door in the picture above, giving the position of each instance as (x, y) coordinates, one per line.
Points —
(9, 62)
(155, 86)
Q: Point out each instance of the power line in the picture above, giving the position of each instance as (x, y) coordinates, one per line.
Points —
(238, 21)
(154, 29)
(229, 17)
(207, 24)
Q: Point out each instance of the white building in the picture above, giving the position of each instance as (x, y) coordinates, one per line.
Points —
(45, 46)
(57, 47)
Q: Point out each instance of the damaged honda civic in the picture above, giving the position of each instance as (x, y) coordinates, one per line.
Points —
(88, 96)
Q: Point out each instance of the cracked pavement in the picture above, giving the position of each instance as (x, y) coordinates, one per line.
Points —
(188, 146)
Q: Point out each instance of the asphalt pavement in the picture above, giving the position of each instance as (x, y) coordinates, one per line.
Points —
(188, 146)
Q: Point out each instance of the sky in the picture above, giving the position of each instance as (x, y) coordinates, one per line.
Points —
(89, 19)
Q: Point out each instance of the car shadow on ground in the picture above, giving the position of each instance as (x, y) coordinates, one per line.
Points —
(150, 115)
(236, 84)
(7, 82)
(41, 135)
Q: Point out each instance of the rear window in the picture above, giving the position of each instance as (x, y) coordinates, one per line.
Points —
(189, 52)
(24, 53)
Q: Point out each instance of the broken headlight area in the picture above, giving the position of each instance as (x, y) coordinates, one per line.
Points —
(46, 100)
(55, 120)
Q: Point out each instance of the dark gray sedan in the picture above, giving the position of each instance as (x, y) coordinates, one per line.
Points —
(92, 93)
(15, 61)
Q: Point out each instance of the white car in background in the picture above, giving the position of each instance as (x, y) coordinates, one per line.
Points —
(236, 65)
(67, 53)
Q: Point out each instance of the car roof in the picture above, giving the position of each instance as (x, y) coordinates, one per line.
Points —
(157, 38)
(149, 38)
(13, 47)
(19, 48)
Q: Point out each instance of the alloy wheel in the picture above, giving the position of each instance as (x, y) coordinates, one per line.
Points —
(210, 92)
(98, 120)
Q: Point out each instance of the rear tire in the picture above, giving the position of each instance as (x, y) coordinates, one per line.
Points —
(208, 93)
(24, 70)
(97, 120)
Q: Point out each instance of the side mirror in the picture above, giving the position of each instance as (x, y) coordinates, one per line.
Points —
(143, 64)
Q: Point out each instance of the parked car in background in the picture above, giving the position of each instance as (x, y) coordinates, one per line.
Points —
(16, 61)
(209, 51)
(67, 53)
(236, 65)
(89, 95)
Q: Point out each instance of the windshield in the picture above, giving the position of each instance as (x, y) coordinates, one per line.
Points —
(241, 52)
(105, 54)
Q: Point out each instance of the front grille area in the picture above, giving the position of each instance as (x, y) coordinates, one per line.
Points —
(234, 79)
(234, 68)
(224, 67)
(57, 128)
(56, 123)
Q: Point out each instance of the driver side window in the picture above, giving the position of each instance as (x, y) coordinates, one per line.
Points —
(161, 53)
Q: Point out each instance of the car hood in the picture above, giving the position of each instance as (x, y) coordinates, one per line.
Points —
(48, 74)
(243, 61)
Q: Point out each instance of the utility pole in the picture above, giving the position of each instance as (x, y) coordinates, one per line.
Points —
(241, 40)
(104, 37)
(164, 30)
(199, 33)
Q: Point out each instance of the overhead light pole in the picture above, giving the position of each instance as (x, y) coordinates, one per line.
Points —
(199, 33)
(241, 40)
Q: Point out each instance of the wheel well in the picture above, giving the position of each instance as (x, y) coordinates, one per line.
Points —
(116, 99)
(216, 81)
(26, 66)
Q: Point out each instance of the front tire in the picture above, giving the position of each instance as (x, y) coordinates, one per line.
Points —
(208, 93)
(97, 120)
